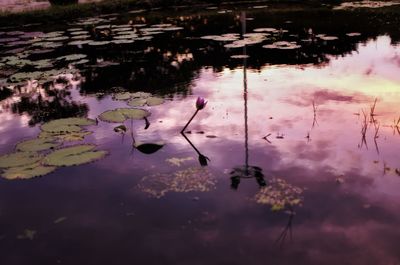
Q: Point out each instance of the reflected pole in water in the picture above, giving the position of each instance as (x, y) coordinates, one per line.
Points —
(246, 139)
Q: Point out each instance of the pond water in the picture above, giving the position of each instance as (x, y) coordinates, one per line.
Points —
(300, 135)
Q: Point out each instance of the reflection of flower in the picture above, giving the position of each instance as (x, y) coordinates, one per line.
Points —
(200, 103)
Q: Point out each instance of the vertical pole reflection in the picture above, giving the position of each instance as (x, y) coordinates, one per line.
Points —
(243, 18)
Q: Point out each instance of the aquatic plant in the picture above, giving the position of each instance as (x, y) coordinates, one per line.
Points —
(200, 104)
(279, 194)
(74, 155)
(122, 114)
(196, 179)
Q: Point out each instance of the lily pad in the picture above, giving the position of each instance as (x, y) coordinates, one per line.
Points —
(27, 172)
(72, 57)
(137, 102)
(122, 114)
(19, 159)
(151, 101)
(122, 96)
(74, 155)
(36, 145)
(65, 137)
(79, 42)
(66, 125)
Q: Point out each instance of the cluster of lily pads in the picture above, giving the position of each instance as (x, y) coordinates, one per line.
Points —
(193, 179)
(365, 4)
(272, 35)
(279, 195)
(19, 48)
(44, 154)
(120, 115)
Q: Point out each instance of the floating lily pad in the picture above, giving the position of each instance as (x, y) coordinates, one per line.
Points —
(80, 37)
(82, 32)
(353, 34)
(98, 43)
(66, 125)
(123, 41)
(151, 101)
(19, 159)
(239, 56)
(27, 172)
(73, 155)
(75, 29)
(65, 136)
(140, 95)
(72, 57)
(36, 145)
(282, 45)
(122, 96)
(122, 114)
(79, 42)
(60, 38)
(137, 102)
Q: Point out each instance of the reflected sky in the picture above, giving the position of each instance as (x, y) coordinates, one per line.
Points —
(350, 209)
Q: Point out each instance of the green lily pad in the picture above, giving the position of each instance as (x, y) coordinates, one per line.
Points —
(74, 155)
(27, 171)
(122, 114)
(65, 137)
(137, 102)
(36, 145)
(151, 101)
(19, 159)
(122, 96)
(66, 125)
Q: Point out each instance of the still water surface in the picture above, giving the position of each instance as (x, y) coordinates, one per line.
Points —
(300, 117)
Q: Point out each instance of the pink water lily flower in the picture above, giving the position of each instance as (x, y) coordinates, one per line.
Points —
(200, 103)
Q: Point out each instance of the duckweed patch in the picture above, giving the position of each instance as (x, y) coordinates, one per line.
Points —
(193, 179)
(279, 195)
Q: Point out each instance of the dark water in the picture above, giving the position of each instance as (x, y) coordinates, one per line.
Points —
(308, 101)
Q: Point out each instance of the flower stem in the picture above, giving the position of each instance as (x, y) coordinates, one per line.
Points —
(187, 124)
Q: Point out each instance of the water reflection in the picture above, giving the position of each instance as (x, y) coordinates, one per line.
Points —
(304, 106)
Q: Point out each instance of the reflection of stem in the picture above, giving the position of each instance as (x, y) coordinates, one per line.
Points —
(147, 123)
(288, 228)
(191, 144)
(315, 122)
(187, 124)
(202, 158)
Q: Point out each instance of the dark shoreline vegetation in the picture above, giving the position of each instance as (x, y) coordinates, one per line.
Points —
(59, 13)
